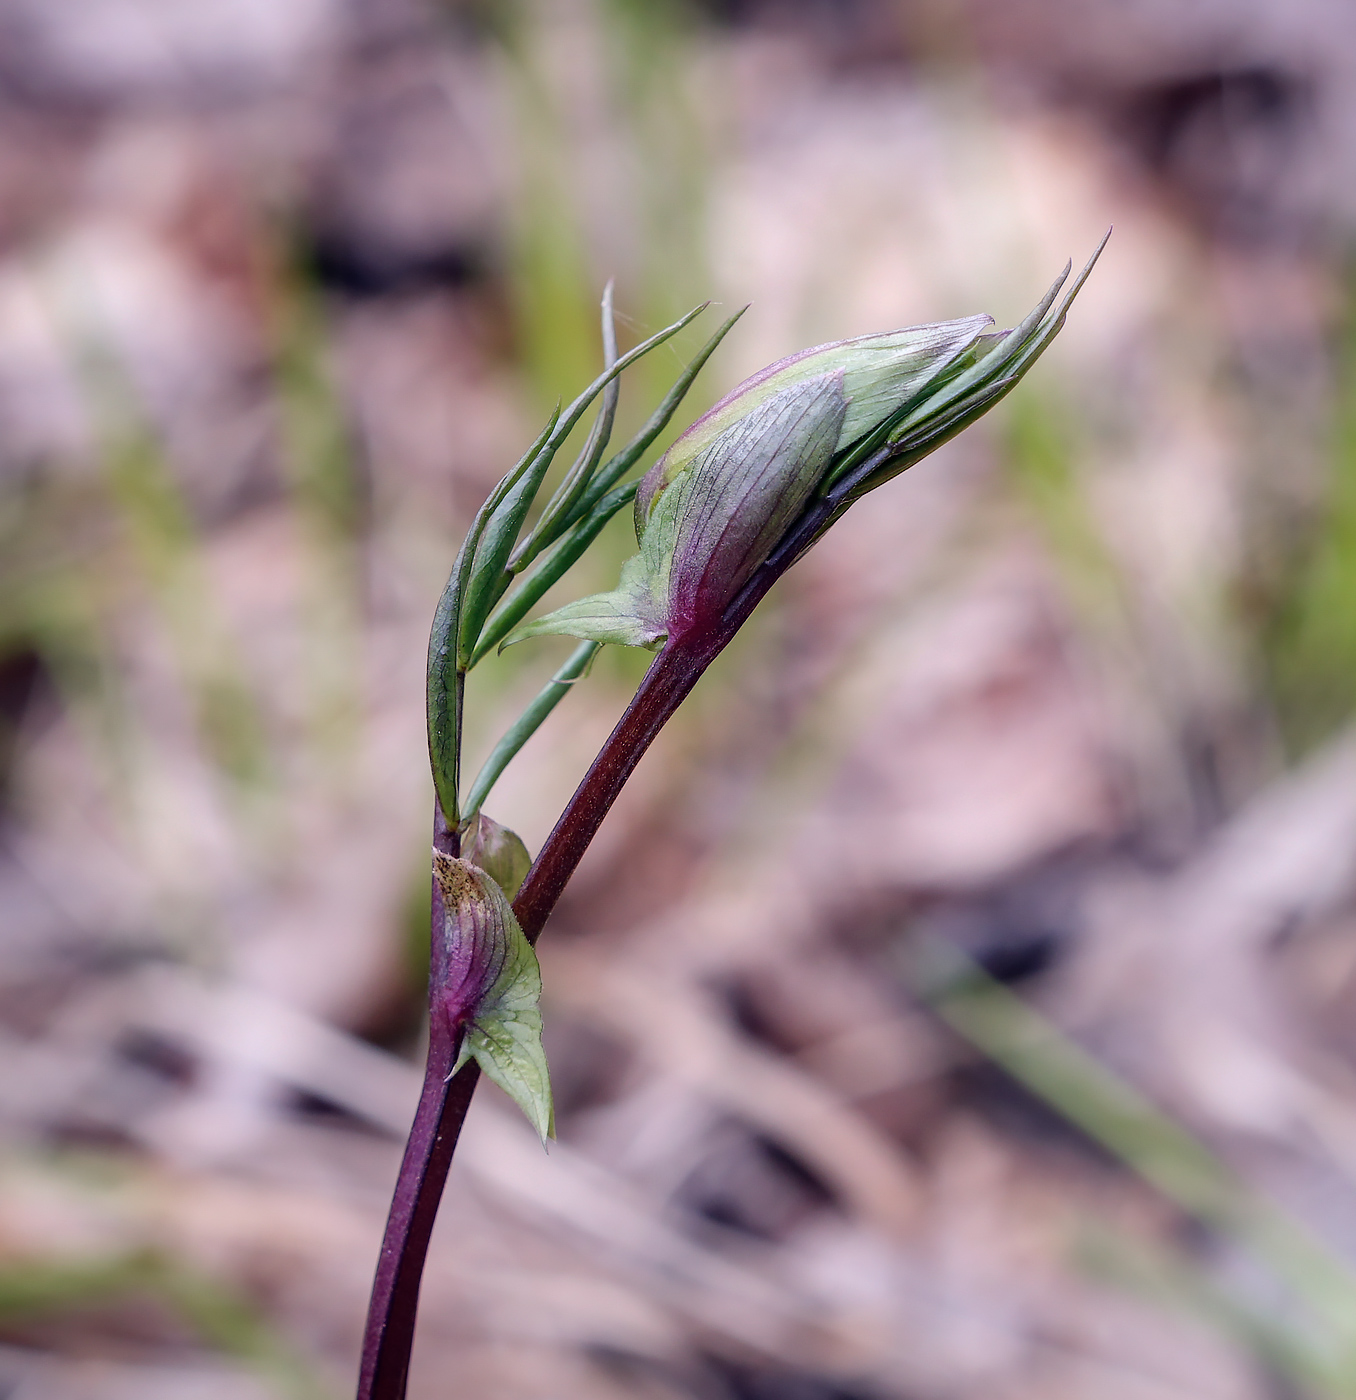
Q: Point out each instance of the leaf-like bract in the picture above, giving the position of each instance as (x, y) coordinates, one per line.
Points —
(492, 988)
(499, 852)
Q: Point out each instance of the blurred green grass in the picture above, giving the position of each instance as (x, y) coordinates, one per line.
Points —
(1303, 1324)
(1308, 647)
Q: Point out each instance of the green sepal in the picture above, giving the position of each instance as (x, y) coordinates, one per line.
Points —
(499, 852)
(624, 617)
(635, 613)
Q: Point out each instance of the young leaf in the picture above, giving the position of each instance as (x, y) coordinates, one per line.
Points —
(618, 466)
(576, 481)
(444, 669)
(492, 988)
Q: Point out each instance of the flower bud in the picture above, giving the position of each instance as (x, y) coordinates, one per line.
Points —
(836, 420)
(880, 373)
(716, 521)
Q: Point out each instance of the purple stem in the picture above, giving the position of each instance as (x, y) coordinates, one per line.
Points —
(391, 1316)
(419, 1186)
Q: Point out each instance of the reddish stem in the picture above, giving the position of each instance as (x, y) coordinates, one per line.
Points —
(419, 1185)
(667, 684)
(442, 1104)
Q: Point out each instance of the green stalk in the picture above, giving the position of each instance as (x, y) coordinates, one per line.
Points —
(527, 724)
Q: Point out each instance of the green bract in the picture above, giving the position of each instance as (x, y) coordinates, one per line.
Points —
(499, 852)
(492, 988)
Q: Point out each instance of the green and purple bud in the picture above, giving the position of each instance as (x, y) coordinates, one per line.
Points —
(829, 423)
(876, 374)
(491, 985)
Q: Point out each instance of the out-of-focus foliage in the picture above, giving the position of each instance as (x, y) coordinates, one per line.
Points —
(1312, 647)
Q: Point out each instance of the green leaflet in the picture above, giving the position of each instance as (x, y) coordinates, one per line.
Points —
(493, 988)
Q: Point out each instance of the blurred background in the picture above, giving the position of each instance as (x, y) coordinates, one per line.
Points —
(959, 1003)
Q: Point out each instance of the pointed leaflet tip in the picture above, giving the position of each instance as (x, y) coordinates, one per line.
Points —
(488, 581)
(556, 513)
(491, 988)
(1054, 323)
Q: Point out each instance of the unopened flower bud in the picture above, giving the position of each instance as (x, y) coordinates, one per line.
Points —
(879, 373)
(835, 420)
(716, 521)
